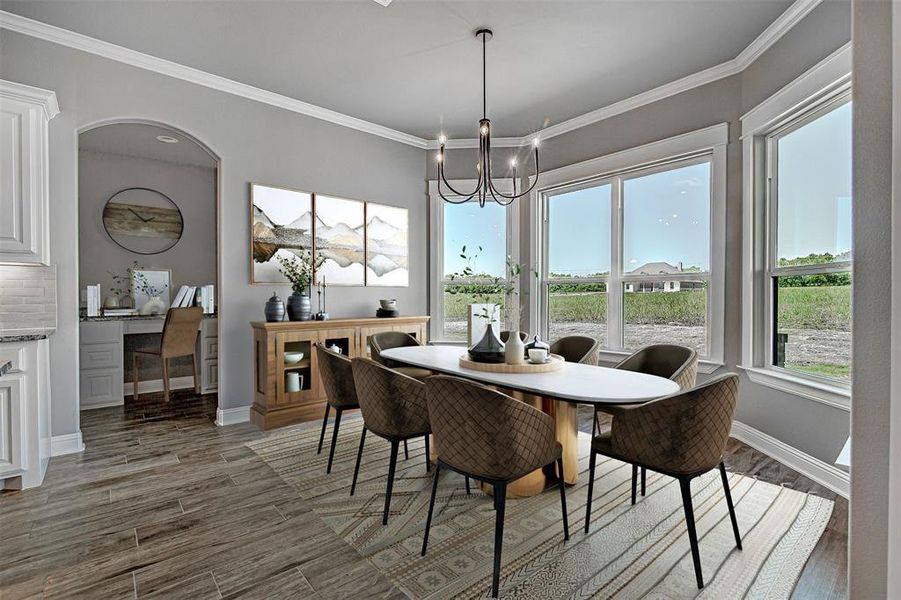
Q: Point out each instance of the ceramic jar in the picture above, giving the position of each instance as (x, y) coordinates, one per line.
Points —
(275, 309)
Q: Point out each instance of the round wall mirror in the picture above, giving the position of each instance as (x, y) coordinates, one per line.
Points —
(142, 220)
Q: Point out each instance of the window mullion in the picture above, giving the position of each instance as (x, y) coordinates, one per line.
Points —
(615, 313)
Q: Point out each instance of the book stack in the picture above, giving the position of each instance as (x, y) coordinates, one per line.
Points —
(93, 300)
(192, 295)
(120, 312)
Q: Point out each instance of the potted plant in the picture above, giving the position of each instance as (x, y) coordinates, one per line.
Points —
(121, 290)
(299, 270)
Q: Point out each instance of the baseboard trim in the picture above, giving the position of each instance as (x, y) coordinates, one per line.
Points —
(156, 385)
(827, 475)
(70, 443)
(232, 416)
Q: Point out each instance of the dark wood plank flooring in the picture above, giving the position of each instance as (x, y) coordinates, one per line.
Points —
(164, 504)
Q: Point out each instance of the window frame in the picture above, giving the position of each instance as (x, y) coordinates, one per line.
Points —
(437, 279)
(705, 145)
(820, 90)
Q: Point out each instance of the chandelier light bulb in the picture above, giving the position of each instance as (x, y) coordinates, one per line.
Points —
(484, 130)
(442, 139)
(535, 142)
(513, 162)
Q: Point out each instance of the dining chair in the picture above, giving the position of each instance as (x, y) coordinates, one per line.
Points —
(386, 340)
(682, 435)
(179, 338)
(337, 376)
(394, 408)
(577, 349)
(484, 434)
(677, 363)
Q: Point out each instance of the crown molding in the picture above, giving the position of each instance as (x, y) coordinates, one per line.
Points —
(78, 41)
(32, 95)
(788, 19)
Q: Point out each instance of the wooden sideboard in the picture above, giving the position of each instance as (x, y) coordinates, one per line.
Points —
(274, 406)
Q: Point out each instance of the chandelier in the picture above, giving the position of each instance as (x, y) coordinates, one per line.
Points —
(484, 186)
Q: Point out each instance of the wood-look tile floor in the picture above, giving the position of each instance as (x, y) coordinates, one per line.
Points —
(164, 504)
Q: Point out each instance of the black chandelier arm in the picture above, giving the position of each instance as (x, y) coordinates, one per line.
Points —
(514, 196)
(464, 197)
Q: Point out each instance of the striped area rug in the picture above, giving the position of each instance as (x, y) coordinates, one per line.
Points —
(636, 551)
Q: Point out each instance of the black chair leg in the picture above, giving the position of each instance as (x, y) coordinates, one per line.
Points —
(406, 451)
(500, 497)
(644, 474)
(728, 493)
(331, 452)
(634, 481)
(428, 454)
(392, 465)
(591, 466)
(353, 485)
(563, 500)
(324, 423)
(685, 484)
(467, 486)
(428, 521)
(594, 423)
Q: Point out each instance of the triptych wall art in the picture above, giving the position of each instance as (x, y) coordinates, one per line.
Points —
(363, 243)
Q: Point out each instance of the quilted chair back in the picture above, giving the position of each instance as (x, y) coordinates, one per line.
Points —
(577, 349)
(337, 378)
(665, 360)
(684, 433)
(393, 404)
(485, 433)
(386, 340)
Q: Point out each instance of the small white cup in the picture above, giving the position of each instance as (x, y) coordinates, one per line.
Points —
(537, 355)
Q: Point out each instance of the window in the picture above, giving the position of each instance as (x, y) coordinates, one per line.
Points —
(809, 269)
(629, 257)
(797, 274)
(465, 235)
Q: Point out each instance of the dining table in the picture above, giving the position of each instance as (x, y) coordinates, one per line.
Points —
(557, 393)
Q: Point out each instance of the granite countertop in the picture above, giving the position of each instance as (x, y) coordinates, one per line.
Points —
(84, 317)
(25, 335)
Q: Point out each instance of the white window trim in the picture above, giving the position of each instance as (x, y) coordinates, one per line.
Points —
(436, 255)
(828, 80)
(710, 140)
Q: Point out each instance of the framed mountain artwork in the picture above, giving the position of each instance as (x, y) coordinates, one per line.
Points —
(387, 246)
(339, 229)
(281, 223)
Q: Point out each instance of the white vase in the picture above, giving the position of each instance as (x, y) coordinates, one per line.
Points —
(111, 302)
(514, 349)
(154, 306)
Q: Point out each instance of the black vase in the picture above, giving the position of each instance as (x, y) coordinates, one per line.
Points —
(299, 307)
(275, 309)
(490, 349)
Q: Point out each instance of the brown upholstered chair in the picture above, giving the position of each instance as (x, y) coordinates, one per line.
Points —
(395, 339)
(179, 339)
(338, 379)
(484, 434)
(677, 363)
(682, 435)
(577, 349)
(505, 335)
(394, 408)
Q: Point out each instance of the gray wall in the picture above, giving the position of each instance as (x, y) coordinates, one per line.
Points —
(810, 426)
(255, 142)
(193, 189)
(871, 416)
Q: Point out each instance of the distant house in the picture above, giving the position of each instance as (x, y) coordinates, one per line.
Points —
(663, 284)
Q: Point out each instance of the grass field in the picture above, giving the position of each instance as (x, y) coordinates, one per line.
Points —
(821, 308)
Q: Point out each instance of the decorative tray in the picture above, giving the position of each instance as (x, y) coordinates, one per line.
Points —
(554, 363)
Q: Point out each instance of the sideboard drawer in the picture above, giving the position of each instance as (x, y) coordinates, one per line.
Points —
(100, 387)
(98, 356)
(100, 331)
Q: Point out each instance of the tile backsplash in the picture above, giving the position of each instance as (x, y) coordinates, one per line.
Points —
(27, 298)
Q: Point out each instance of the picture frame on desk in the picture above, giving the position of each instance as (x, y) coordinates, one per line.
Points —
(157, 278)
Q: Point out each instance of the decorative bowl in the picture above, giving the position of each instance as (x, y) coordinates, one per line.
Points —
(292, 358)
(388, 304)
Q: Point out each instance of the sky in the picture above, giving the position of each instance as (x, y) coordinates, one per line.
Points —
(666, 215)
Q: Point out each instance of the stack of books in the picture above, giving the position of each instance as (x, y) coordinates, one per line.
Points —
(192, 295)
(120, 312)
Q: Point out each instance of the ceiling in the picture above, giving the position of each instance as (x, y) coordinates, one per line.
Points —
(138, 140)
(414, 66)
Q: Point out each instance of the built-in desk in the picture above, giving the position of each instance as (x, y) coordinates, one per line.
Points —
(102, 365)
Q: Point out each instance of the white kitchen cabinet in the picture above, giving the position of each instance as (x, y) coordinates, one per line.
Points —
(24, 414)
(25, 113)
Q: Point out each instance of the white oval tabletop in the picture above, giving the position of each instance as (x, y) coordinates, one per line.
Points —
(580, 383)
